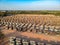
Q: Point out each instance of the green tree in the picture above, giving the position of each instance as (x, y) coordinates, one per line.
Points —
(1, 35)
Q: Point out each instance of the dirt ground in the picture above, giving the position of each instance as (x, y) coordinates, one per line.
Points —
(38, 19)
(32, 35)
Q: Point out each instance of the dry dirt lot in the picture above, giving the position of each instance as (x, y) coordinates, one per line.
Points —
(38, 19)
(31, 35)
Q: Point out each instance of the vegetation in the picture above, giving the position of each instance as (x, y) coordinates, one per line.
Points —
(7, 13)
(1, 35)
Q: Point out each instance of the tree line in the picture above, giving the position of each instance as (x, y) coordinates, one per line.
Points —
(8, 13)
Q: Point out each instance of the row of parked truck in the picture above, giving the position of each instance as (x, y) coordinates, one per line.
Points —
(26, 41)
(31, 27)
